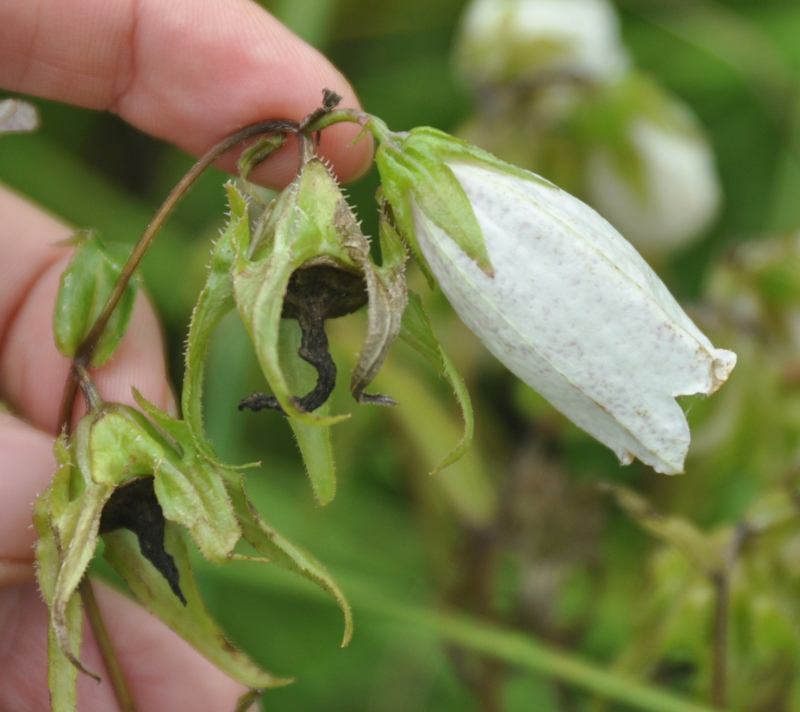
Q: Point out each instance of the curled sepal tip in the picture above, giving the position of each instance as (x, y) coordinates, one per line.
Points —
(214, 302)
(388, 296)
(276, 548)
(416, 331)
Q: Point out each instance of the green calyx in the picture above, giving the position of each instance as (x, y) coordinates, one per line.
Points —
(415, 176)
(415, 172)
(136, 479)
(308, 260)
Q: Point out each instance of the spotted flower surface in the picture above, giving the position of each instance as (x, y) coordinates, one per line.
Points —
(565, 302)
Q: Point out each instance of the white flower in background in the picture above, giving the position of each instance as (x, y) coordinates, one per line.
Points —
(555, 293)
(671, 197)
(525, 41)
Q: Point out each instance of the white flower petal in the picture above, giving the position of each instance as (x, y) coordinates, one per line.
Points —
(575, 312)
(522, 40)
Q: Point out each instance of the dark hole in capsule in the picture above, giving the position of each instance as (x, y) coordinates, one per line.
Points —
(134, 506)
(315, 293)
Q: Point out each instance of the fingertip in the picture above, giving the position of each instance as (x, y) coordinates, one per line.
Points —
(163, 670)
(238, 66)
(341, 146)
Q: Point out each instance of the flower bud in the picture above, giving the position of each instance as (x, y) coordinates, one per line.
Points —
(555, 293)
(529, 41)
(655, 180)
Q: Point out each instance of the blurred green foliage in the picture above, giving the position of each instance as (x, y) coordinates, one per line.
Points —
(558, 564)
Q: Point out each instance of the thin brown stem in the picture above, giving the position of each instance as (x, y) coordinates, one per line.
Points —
(722, 584)
(103, 640)
(719, 669)
(86, 349)
(91, 395)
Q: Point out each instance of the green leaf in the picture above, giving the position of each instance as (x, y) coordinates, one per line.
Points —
(84, 288)
(274, 547)
(417, 332)
(214, 302)
(192, 621)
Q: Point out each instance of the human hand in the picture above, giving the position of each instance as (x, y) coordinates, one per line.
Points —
(191, 72)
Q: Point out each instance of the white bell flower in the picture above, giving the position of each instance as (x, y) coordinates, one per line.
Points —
(555, 293)
(503, 41)
(675, 197)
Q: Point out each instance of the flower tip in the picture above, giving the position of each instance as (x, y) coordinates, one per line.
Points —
(724, 362)
(671, 468)
(662, 462)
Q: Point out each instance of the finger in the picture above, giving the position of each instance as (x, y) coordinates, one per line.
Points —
(163, 671)
(26, 468)
(188, 71)
(32, 371)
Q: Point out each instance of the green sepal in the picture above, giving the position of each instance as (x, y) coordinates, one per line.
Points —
(109, 449)
(124, 444)
(416, 331)
(388, 297)
(259, 288)
(190, 490)
(450, 149)
(192, 621)
(314, 442)
(274, 547)
(214, 302)
(414, 169)
(62, 674)
(83, 291)
(67, 518)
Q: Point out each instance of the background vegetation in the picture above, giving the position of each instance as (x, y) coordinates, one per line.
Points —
(510, 581)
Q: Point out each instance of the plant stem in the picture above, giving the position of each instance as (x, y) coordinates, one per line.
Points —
(86, 349)
(106, 648)
(719, 665)
(722, 584)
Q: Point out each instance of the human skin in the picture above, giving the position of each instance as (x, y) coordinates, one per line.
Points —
(189, 72)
